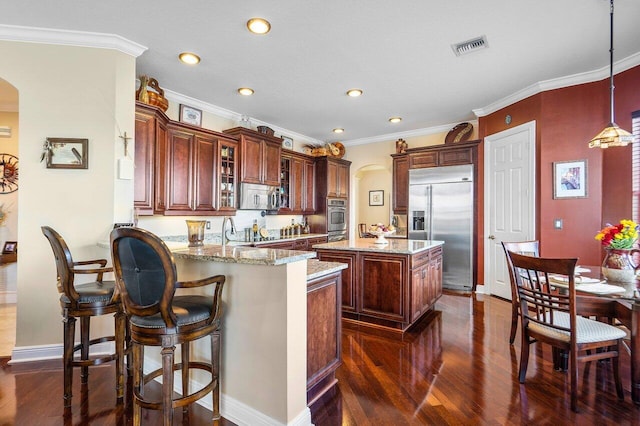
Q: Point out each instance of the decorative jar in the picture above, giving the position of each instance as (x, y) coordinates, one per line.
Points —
(618, 265)
(195, 229)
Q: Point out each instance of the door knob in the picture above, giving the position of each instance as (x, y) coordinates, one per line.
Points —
(492, 237)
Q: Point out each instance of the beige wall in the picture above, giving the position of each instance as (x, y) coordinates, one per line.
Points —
(74, 92)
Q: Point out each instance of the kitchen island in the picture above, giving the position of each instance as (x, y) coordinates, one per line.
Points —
(264, 330)
(386, 286)
(274, 301)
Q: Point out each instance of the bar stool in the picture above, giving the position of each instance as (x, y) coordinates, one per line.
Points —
(85, 301)
(146, 279)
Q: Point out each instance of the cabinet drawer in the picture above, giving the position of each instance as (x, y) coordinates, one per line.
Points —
(420, 259)
(423, 159)
(436, 252)
(456, 156)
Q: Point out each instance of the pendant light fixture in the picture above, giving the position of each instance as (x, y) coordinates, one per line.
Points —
(612, 135)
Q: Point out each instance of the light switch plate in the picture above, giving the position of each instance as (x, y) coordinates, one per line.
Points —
(557, 223)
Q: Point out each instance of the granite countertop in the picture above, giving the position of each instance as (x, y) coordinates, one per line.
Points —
(317, 268)
(242, 254)
(394, 246)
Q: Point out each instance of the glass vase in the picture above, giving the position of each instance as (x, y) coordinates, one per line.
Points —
(618, 265)
(195, 229)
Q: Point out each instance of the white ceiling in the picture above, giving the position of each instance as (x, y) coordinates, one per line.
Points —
(398, 52)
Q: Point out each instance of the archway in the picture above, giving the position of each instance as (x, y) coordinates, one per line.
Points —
(8, 214)
(373, 181)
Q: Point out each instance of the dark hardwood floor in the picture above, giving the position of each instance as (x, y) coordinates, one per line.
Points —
(455, 368)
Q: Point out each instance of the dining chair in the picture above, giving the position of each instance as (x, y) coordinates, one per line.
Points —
(362, 231)
(84, 301)
(146, 278)
(550, 317)
(531, 248)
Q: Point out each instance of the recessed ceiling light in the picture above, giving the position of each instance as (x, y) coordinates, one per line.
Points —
(189, 58)
(338, 130)
(395, 120)
(245, 91)
(258, 25)
(354, 93)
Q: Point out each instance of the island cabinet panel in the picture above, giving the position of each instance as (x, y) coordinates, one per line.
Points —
(323, 334)
(349, 276)
(383, 292)
(387, 290)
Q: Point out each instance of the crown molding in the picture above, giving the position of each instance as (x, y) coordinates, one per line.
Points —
(407, 134)
(71, 38)
(235, 116)
(558, 83)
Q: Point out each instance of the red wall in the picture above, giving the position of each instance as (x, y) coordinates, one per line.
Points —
(566, 119)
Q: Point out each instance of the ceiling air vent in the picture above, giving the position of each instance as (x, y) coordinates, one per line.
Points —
(470, 45)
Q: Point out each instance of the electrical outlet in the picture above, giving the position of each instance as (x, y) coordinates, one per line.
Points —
(208, 225)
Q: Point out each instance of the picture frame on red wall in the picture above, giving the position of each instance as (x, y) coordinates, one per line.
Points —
(570, 179)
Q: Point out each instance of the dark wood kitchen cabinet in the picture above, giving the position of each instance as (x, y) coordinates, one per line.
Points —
(191, 173)
(400, 184)
(260, 156)
(179, 168)
(323, 334)
(337, 178)
(349, 275)
(443, 155)
(387, 290)
(150, 151)
(297, 184)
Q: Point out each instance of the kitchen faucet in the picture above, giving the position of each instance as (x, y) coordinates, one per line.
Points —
(224, 229)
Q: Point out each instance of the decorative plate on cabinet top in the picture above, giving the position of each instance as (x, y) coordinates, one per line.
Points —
(336, 149)
(460, 133)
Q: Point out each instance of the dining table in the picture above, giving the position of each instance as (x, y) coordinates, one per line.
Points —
(596, 297)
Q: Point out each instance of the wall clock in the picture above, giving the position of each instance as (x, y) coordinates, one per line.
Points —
(8, 173)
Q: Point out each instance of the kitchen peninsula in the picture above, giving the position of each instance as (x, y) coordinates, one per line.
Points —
(386, 286)
(268, 374)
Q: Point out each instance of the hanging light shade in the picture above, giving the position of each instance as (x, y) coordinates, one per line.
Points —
(612, 135)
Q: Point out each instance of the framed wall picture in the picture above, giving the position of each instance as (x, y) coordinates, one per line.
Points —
(190, 115)
(376, 198)
(10, 247)
(67, 153)
(570, 179)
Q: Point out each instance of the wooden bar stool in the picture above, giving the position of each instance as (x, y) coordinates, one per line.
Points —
(84, 301)
(146, 279)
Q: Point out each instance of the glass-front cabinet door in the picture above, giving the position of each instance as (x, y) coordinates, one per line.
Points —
(285, 185)
(228, 167)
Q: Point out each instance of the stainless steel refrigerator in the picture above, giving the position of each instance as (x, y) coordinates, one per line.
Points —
(441, 208)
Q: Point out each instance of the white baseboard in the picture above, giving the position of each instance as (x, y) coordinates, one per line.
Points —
(8, 297)
(230, 408)
(45, 352)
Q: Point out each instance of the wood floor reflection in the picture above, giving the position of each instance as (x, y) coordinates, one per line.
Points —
(457, 368)
(386, 381)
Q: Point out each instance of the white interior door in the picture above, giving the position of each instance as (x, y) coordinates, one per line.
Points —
(509, 199)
